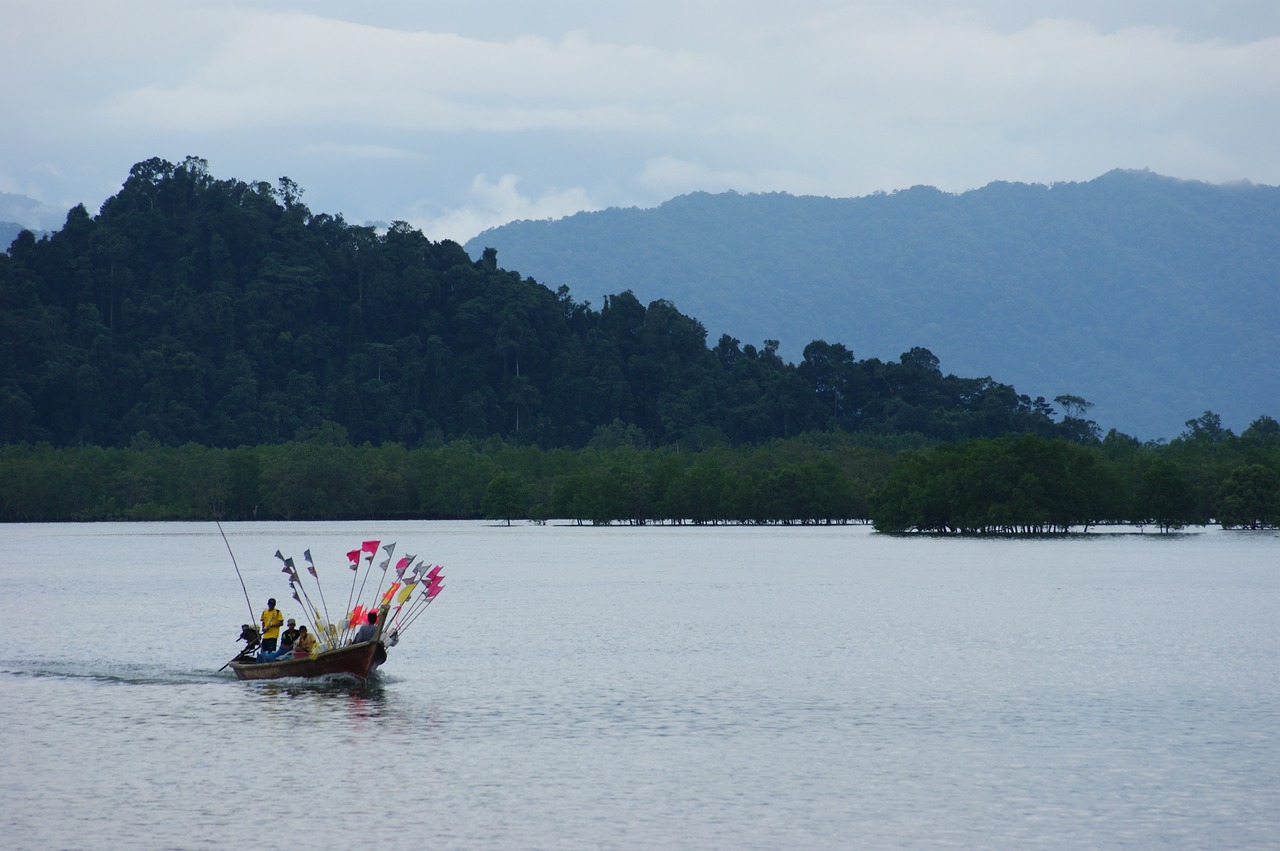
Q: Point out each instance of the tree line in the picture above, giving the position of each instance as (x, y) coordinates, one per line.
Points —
(1009, 485)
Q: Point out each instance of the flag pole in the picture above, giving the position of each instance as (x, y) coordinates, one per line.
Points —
(237, 567)
(311, 568)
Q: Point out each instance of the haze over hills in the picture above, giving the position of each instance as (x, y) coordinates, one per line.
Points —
(1156, 299)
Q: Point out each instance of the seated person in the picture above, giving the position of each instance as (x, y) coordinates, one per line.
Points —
(305, 645)
(287, 638)
(366, 631)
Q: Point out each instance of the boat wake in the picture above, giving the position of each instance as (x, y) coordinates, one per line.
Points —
(111, 672)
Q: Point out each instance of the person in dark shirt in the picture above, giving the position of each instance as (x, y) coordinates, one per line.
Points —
(288, 637)
(366, 631)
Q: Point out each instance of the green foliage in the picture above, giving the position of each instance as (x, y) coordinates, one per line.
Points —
(504, 498)
(227, 314)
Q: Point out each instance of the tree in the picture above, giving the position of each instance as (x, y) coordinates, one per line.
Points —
(1250, 498)
(503, 498)
(1165, 496)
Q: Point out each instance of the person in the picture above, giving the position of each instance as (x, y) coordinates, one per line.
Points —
(366, 631)
(305, 644)
(272, 620)
(250, 637)
(288, 637)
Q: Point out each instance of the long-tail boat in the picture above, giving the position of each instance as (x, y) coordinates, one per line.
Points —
(397, 607)
(356, 660)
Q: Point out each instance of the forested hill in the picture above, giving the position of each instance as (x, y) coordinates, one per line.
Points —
(226, 313)
(1153, 298)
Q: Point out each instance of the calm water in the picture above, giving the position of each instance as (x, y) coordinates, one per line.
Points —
(688, 688)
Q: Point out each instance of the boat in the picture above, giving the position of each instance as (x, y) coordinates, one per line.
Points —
(411, 590)
(355, 660)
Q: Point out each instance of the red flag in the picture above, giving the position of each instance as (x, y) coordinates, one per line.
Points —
(353, 557)
(433, 590)
(357, 615)
(369, 547)
(435, 571)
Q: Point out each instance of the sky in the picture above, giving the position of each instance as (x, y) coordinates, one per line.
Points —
(459, 115)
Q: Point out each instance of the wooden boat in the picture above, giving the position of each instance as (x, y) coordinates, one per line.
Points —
(355, 660)
(413, 588)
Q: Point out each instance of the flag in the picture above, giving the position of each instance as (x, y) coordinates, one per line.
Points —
(384, 564)
(389, 549)
(295, 595)
(307, 555)
(369, 547)
(433, 590)
(279, 556)
(354, 558)
(357, 615)
(390, 592)
(311, 568)
(404, 594)
(434, 572)
(404, 562)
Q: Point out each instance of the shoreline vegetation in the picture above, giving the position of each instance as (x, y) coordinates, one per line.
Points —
(1011, 486)
(206, 348)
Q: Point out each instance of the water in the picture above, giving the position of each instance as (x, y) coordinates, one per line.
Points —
(720, 688)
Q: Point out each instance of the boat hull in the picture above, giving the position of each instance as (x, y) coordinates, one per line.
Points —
(356, 660)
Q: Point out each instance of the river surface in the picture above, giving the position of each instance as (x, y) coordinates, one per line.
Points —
(650, 688)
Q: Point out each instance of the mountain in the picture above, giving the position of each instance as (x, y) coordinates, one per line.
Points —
(8, 233)
(28, 213)
(1155, 299)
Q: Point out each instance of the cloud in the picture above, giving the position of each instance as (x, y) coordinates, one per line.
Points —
(390, 107)
(493, 204)
(335, 150)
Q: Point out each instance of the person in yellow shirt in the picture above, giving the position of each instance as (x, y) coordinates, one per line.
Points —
(272, 620)
(305, 645)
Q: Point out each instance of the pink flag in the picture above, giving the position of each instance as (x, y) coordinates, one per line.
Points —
(433, 590)
(369, 547)
(435, 571)
(353, 557)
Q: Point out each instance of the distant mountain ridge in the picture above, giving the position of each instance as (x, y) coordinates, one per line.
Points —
(1154, 298)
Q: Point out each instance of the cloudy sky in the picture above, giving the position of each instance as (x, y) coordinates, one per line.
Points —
(456, 115)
